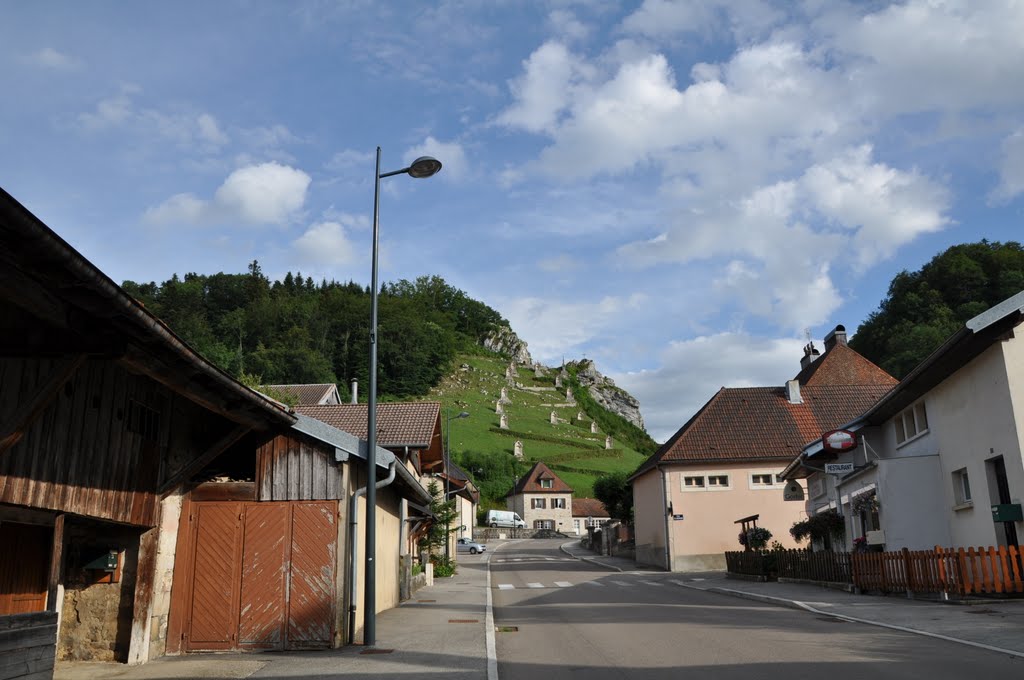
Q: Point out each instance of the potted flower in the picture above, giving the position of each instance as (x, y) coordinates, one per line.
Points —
(757, 538)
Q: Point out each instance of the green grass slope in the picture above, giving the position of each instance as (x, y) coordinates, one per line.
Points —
(567, 447)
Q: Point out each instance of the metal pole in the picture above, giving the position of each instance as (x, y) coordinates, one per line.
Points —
(447, 454)
(370, 588)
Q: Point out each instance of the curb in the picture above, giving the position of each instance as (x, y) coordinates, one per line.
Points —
(795, 604)
(591, 560)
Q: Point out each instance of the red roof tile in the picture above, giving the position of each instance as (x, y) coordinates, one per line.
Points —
(588, 507)
(530, 482)
(759, 423)
(309, 395)
(398, 424)
(844, 366)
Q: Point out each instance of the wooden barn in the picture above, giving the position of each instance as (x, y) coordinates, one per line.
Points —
(109, 425)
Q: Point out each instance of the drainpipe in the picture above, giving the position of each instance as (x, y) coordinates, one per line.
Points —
(353, 563)
(668, 521)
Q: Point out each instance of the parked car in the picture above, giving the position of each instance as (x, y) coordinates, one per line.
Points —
(470, 546)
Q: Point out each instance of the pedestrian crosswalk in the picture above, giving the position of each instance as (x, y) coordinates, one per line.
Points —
(531, 558)
(601, 583)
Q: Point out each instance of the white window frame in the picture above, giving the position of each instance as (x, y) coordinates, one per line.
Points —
(692, 487)
(911, 423)
(773, 483)
(547, 483)
(558, 504)
(705, 481)
(962, 497)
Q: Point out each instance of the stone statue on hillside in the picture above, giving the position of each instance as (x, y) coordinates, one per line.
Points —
(593, 427)
(580, 416)
(499, 408)
(608, 442)
(554, 417)
(518, 448)
(558, 381)
(503, 423)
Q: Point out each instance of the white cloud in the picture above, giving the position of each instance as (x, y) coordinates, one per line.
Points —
(451, 155)
(692, 371)
(1011, 168)
(556, 328)
(783, 239)
(325, 243)
(268, 193)
(50, 58)
(659, 18)
(210, 131)
(543, 91)
(566, 24)
(559, 264)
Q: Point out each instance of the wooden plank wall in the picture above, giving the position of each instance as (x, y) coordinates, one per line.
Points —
(80, 455)
(28, 644)
(291, 469)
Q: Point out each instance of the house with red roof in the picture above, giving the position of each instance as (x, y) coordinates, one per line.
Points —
(586, 513)
(723, 464)
(542, 499)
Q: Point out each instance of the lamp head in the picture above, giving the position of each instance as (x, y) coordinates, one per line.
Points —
(464, 414)
(424, 166)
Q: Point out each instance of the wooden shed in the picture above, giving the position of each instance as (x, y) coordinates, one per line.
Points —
(104, 415)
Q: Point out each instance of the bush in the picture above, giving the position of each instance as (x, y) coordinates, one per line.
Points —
(443, 566)
(757, 538)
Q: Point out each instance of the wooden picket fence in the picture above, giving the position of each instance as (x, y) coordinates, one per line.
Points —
(963, 571)
(955, 571)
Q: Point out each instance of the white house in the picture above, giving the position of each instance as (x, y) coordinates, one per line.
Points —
(940, 456)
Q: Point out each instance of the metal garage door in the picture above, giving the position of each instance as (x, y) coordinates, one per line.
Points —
(262, 576)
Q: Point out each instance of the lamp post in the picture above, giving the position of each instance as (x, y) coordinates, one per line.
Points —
(447, 476)
(422, 167)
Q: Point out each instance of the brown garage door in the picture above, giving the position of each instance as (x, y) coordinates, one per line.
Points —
(262, 576)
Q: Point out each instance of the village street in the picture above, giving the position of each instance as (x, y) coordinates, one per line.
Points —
(574, 619)
(557, 616)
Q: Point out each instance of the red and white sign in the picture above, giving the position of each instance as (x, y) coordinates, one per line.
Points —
(839, 440)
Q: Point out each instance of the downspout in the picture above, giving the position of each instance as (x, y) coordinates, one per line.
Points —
(353, 563)
(668, 522)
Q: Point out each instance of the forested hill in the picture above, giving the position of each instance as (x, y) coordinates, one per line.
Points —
(925, 307)
(300, 331)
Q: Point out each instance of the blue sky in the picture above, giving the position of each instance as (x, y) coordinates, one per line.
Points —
(678, 190)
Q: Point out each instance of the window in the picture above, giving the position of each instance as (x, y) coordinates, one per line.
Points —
(558, 503)
(816, 487)
(693, 483)
(718, 481)
(962, 487)
(762, 480)
(911, 423)
(544, 524)
(538, 503)
(545, 483)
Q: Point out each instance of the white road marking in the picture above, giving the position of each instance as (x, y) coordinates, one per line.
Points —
(652, 583)
(677, 582)
(698, 579)
(563, 584)
(489, 642)
(534, 585)
(506, 586)
(595, 583)
(622, 583)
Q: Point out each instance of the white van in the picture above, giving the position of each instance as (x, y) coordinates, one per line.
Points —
(504, 518)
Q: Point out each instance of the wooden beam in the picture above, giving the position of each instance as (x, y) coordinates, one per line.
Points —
(203, 459)
(145, 575)
(15, 427)
(56, 562)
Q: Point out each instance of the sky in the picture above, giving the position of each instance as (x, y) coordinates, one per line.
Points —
(682, 191)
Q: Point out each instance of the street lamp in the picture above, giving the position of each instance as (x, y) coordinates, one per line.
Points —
(422, 167)
(447, 477)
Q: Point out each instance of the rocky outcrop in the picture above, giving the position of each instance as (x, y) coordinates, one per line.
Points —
(611, 398)
(503, 340)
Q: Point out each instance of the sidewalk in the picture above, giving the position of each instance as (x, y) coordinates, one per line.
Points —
(993, 624)
(444, 630)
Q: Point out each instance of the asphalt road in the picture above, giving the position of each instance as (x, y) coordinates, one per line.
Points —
(558, 618)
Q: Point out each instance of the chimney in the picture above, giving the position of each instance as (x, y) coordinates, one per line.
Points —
(810, 355)
(836, 337)
(355, 391)
(793, 392)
